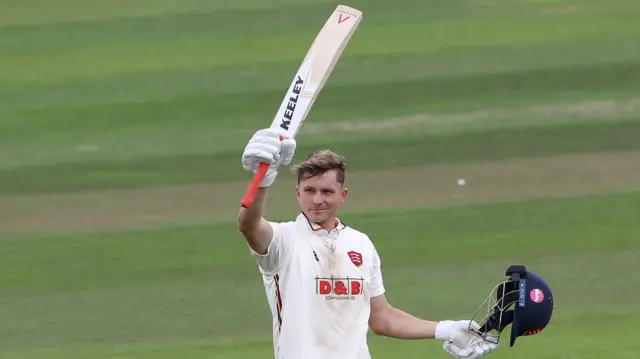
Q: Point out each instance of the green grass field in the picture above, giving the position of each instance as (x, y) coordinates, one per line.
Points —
(122, 124)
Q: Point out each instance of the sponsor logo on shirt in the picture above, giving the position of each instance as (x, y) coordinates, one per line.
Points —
(345, 288)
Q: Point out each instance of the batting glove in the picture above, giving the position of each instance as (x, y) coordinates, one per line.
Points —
(460, 343)
(265, 146)
(473, 351)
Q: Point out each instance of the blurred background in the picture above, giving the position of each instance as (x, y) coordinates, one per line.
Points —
(122, 124)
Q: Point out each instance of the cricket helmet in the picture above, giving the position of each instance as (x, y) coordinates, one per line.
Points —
(524, 300)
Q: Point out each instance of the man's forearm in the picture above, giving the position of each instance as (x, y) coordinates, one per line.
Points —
(249, 218)
(401, 325)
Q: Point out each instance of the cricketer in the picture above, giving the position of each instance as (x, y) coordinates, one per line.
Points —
(323, 278)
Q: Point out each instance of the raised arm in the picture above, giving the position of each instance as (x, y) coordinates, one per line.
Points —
(252, 224)
(264, 146)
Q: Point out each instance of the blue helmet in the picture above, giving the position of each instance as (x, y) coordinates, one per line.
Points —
(524, 300)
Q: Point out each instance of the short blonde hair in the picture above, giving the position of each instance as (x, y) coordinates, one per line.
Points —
(321, 162)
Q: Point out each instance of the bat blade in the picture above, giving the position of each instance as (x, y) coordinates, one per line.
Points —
(309, 80)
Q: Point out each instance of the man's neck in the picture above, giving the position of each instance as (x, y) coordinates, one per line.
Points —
(330, 224)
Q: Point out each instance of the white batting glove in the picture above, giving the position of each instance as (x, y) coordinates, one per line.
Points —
(265, 146)
(474, 351)
(459, 342)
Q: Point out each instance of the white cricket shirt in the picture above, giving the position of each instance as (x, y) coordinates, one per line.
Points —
(319, 285)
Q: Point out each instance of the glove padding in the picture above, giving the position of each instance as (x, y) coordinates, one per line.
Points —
(473, 351)
(459, 342)
(265, 146)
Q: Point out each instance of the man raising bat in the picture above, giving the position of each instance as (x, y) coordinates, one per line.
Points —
(322, 278)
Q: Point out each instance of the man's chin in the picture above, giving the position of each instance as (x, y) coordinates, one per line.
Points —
(318, 215)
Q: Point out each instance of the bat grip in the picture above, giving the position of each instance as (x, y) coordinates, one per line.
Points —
(250, 193)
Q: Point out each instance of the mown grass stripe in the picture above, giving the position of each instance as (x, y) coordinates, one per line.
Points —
(362, 155)
(118, 55)
(211, 123)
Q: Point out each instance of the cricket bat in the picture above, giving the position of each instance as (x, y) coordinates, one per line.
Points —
(313, 73)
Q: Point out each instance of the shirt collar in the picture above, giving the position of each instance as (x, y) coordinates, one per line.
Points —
(316, 228)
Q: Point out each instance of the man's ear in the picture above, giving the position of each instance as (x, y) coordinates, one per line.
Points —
(343, 195)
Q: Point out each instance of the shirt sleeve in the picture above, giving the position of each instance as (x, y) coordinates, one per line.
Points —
(377, 285)
(277, 251)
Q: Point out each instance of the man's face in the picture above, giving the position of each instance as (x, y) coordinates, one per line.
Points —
(321, 196)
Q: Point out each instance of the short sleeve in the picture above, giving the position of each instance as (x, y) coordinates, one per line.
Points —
(270, 262)
(377, 285)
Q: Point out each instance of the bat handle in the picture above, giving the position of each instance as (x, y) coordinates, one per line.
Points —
(251, 191)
